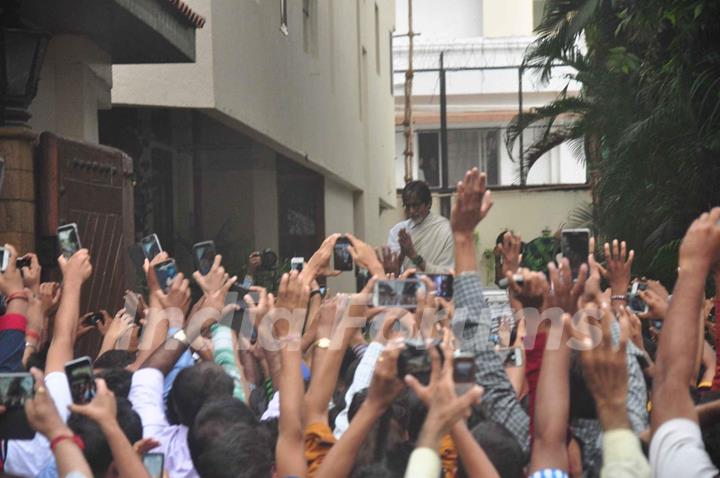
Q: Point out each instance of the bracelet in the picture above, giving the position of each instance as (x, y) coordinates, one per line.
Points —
(76, 439)
(618, 297)
(16, 295)
(32, 334)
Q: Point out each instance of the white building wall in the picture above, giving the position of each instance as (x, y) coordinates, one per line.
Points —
(321, 96)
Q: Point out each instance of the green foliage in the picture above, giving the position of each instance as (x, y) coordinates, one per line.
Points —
(649, 111)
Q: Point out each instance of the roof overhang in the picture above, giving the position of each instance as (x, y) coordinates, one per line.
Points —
(132, 31)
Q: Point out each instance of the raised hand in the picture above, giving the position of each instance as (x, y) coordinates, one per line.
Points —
(533, 289)
(11, 280)
(49, 295)
(406, 244)
(385, 384)
(390, 260)
(657, 299)
(292, 298)
(473, 202)
(364, 256)
(510, 251)
(31, 274)
(177, 296)
(445, 408)
(605, 368)
(319, 263)
(41, 412)
(214, 279)
(103, 407)
(254, 262)
(563, 292)
(77, 269)
(700, 249)
(150, 276)
(619, 266)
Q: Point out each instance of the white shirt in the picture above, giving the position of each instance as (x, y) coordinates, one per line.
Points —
(29, 457)
(677, 449)
(146, 395)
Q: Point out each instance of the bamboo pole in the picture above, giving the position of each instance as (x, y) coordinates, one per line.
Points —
(408, 118)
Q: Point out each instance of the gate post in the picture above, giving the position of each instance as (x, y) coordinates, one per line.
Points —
(17, 198)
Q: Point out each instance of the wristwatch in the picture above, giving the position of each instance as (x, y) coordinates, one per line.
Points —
(181, 337)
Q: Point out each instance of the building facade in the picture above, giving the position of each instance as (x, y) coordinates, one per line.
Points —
(482, 43)
(280, 133)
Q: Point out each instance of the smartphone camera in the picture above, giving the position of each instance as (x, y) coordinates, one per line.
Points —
(15, 388)
(342, 259)
(151, 246)
(396, 293)
(82, 382)
(204, 255)
(575, 245)
(443, 284)
(297, 263)
(636, 304)
(415, 359)
(68, 240)
(165, 273)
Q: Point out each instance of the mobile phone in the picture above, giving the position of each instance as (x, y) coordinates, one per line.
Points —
(575, 245)
(4, 259)
(68, 239)
(504, 283)
(635, 303)
(464, 368)
(204, 256)
(93, 320)
(82, 382)
(396, 293)
(511, 356)
(151, 246)
(15, 388)
(415, 358)
(443, 284)
(131, 303)
(23, 261)
(154, 463)
(296, 264)
(342, 259)
(165, 273)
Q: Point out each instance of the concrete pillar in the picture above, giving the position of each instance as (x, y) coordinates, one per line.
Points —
(17, 199)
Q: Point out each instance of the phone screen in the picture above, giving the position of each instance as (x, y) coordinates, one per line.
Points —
(297, 263)
(4, 259)
(15, 388)
(443, 284)
(635, 303)
(576, 248)
(82, 382)
(68, 239)
(464, 369)
(396, 293)
(204, 256)
(154, 464)
(151, 246)
(341, 257)
(165, 273)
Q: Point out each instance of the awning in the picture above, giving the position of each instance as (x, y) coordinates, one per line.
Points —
(132, 31)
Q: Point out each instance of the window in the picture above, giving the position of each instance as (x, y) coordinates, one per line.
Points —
(429, 166)
(468, 148)
(538, 10)
(377, 39)
(283, 17)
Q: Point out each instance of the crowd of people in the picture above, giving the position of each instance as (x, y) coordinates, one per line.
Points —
(323, 385)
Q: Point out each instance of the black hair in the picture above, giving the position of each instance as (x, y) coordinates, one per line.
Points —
(239, 450)
(117, 379)
(582, 402)
(711, 432)
(501, 448)
(97, 451)
(115, 358)
(213, 418)
(418, 189)
(195, 385)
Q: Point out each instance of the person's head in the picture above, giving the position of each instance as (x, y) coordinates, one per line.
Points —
(194, 386)
(213, 418)
(97, 451)
(239, 450)
(114, 359)
(501, 449)
(118, 380)
(417, 200)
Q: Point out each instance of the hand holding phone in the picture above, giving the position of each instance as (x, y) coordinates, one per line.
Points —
(68, 240)
(151, 246)
(165, 273)
(154, 464)
(80, 376)
(575, 245)
(396, 293)
(15, 388)
(443, 284)
(204, 256)
(297, 263)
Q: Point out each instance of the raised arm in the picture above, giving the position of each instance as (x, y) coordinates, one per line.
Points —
(289, 451)
(675, 359)
(103, 411)
(76, 271)
(473, 203)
